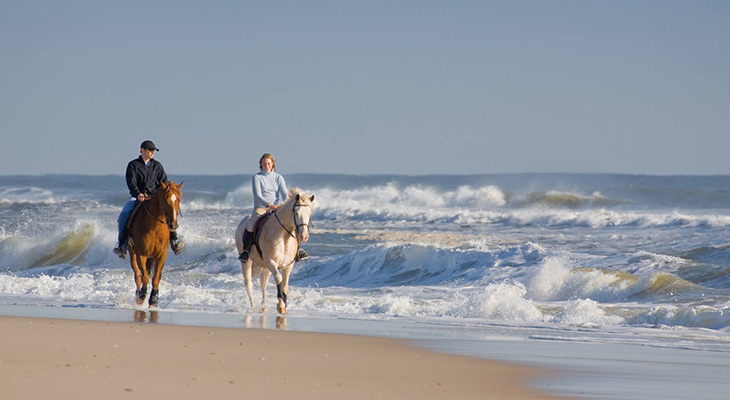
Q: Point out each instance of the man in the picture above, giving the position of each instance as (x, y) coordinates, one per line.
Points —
(144, 175)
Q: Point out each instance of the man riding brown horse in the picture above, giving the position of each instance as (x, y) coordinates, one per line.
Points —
(149, 236)
(144, 176)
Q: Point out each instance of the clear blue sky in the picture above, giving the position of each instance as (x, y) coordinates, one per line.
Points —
(366, 87)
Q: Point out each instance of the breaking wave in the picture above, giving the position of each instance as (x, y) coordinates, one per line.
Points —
(498, 249)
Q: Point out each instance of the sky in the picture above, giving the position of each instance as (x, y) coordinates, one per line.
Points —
(366, 87)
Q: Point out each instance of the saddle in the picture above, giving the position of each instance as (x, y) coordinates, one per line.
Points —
(137, 206)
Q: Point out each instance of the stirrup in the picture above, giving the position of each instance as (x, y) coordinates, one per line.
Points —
(243, 257)
(301, 255)
(177, 246)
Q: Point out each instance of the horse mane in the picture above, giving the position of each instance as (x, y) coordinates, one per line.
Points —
(164, 186)
(293, 196)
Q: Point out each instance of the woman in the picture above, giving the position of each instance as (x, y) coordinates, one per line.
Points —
(269, 192)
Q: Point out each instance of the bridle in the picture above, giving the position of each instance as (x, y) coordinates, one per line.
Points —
(158, 219)
(294, 217)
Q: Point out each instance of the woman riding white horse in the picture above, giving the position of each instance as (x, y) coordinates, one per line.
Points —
(269, 192)
(277, 244)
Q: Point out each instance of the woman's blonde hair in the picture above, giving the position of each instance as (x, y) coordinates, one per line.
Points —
(270, 157)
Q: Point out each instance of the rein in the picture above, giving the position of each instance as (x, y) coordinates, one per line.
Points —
(294, 217)
(158, 219)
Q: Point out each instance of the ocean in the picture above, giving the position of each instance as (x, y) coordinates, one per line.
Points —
(547, 258)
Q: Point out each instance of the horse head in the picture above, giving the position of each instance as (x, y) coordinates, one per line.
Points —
(302, 211)
(170, 202)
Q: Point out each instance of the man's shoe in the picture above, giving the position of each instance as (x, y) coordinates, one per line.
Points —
(301, 255)
(177, 246)
(120, 251)
(243, 257)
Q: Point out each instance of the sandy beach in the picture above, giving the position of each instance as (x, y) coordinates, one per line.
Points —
(51, 358)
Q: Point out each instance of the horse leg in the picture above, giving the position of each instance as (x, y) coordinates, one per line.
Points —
(154, 298)
(246, 270)
(283, 290)
(137, 275)
(141, 277)
(265, 274)
(281, 296)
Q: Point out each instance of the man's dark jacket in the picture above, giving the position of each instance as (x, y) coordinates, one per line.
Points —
(143, 178)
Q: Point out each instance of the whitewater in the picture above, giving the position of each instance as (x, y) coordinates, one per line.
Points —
(599, 250)
(612, 259)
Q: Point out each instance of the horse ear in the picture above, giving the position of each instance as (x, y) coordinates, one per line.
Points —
(180, 185)
(311, 198)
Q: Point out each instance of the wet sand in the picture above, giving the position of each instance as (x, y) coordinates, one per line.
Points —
(56, 359)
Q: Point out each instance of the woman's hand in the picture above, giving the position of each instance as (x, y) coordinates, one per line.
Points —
(273, 207)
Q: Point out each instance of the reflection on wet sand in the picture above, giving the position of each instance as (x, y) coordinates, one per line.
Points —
(260, 322)
(141, 316)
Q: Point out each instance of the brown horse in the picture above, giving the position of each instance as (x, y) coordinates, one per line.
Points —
(278, 242)
(150, 236)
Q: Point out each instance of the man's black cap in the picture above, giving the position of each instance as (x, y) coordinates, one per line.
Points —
(149, 145)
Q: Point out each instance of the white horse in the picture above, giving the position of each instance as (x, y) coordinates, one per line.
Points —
(278, 243)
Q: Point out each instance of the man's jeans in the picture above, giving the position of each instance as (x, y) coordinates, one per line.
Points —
(123, 217)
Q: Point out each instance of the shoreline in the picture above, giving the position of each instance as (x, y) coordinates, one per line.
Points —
(45, 357)
(584, 367)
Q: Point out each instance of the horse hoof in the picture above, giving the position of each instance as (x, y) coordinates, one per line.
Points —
(140, 296)
(281, 309)
(154, 298)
